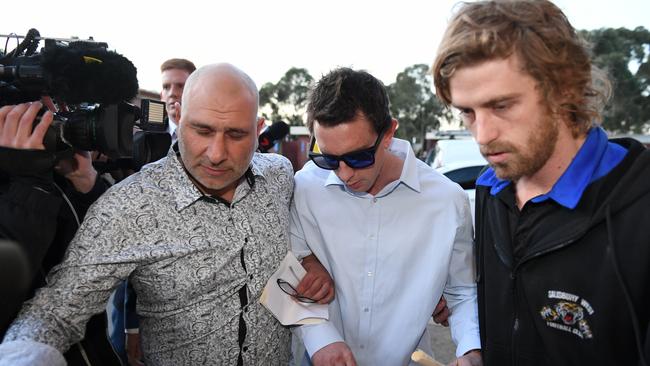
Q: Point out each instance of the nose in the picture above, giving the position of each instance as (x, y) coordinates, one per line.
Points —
(344, 172)
(175, 91)
(484, 128)
(217, 152)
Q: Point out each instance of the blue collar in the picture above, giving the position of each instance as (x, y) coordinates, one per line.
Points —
(596, 158)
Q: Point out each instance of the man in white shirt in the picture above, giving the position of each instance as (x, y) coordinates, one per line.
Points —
(394, 234)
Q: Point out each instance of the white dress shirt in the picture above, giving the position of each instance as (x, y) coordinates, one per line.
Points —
(171, 128)
(391, 256)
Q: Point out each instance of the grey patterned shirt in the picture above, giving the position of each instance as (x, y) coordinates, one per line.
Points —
(187, 256)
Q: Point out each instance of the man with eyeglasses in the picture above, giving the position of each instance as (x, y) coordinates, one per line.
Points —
(394, 234)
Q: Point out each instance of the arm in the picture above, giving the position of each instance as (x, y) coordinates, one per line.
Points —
(28, 200)
(320, 336)
(78, 288)
(460, 290)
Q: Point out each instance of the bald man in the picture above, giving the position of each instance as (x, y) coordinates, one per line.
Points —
(198, 234)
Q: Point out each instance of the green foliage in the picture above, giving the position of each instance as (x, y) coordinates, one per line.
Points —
(287, 99)
(625, 55)
(413, 103)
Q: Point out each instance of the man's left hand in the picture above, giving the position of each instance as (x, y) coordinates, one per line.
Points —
(317, 283)
(441, 312)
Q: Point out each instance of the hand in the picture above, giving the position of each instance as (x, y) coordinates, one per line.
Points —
(133, 349)
(317, 283)
(441, 313)
(334, 354)
(79, 171)
(16, 124)
(471, 358)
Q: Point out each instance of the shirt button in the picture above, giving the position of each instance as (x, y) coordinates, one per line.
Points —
(365, 310)
(245, 349)
(374, 200)
(369, 274)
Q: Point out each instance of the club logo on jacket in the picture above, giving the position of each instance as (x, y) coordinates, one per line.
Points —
(569, 313)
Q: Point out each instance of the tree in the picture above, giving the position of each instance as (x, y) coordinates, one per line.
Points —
(287, 100)
(413, 103)
(624, 54)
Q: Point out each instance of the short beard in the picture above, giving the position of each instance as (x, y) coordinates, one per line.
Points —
(532, 157)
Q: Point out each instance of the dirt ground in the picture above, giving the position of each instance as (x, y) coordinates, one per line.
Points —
(443, 348)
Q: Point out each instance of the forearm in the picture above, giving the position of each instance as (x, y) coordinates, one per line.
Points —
(460, 290)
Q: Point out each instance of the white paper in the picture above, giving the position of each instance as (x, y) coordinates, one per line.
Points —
(284, 307)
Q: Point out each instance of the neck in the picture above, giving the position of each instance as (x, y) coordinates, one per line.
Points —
(226, 193)
(543, 180)
(390, 172)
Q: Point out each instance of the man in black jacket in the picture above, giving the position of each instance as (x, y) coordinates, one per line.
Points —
(42, 202)
(561, 213)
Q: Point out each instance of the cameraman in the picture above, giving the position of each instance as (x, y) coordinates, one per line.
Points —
(42, 210)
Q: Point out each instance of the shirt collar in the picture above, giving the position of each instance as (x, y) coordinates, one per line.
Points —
(595, 158)
(409, 175)
(186, 192)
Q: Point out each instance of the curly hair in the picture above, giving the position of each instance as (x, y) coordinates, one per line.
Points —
(549, 48)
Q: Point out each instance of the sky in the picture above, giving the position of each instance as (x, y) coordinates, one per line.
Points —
(267, 37)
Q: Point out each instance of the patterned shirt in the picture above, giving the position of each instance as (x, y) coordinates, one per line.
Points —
(188, 256)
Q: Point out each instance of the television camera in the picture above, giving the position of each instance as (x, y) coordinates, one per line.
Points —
(91, 87)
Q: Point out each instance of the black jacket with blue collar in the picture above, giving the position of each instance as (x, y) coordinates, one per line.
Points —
(579, 294)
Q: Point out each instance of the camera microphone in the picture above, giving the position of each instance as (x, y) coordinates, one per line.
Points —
(82, 72)
(89, 75)
(271, 135)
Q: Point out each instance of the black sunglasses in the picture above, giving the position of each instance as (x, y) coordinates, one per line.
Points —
(356, 160)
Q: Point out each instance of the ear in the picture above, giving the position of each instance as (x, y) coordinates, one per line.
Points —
(390, 133)
(260, 125)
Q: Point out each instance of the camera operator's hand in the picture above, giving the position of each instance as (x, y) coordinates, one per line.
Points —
(79, 171)
(16, 126)
(22, 153)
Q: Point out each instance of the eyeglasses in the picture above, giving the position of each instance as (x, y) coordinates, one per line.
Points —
(288, 289)
(356, 160)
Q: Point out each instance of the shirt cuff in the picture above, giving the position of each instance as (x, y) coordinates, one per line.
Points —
(29, 353)
(318, 336)
(132, 330)
(467, 343)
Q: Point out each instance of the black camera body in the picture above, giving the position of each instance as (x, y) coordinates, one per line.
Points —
(91, 86)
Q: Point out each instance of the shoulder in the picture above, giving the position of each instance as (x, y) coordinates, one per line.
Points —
(310, 175)
(275, 170)
(434, 182)
(137, 188)
(271, 164)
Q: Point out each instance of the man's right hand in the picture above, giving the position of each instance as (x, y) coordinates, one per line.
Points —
(334, 354)
(16, 124)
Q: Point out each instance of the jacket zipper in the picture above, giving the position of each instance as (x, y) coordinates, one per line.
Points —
(513, 277)
(545, 251)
